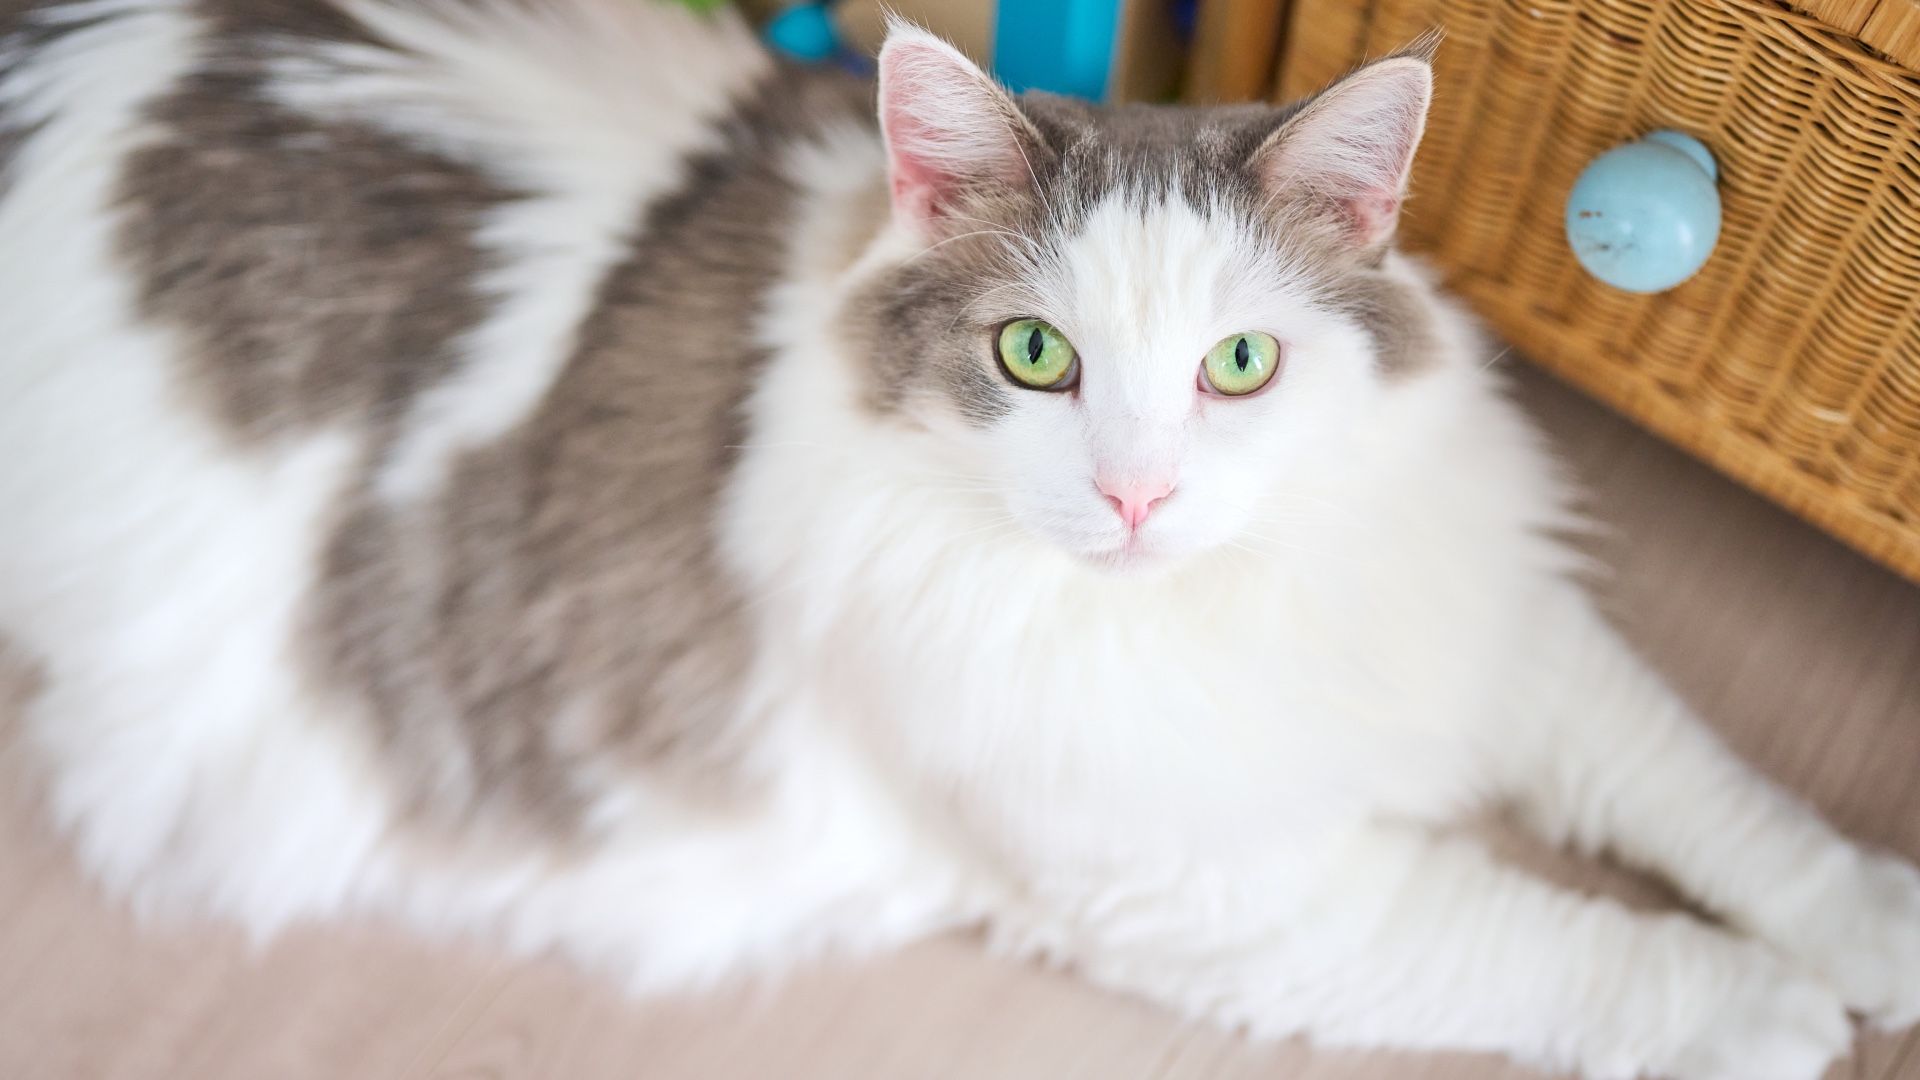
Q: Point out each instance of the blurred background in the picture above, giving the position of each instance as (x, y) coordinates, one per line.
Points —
(1111, 50)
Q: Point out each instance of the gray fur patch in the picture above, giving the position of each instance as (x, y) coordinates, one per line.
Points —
(257, 25)
(1149, 153)
(561, 609)
(319, 270)
(922, 336)
(1397, 316)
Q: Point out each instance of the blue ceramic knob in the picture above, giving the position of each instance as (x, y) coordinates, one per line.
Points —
(1645, 215)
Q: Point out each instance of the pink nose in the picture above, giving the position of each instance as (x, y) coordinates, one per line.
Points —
(1134, 501)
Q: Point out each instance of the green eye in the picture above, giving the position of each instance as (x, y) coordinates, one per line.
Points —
(1035, 354)
(1242, 363)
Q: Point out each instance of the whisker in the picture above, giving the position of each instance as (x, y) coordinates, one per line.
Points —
(995, 231)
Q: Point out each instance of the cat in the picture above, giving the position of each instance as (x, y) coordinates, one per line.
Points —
(546, 470)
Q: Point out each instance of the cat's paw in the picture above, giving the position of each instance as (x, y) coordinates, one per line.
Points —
(1862, 935)
(1775, 1025)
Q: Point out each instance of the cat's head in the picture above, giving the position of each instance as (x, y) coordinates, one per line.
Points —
(1132, 322)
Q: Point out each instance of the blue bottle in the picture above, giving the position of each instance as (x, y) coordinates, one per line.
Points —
(1063, 46)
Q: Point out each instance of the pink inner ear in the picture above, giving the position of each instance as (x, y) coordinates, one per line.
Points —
(1350, 150)
(1372, 215)
(948, 128)
(922, 188)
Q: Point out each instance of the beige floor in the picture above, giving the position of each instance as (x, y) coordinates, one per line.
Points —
(1806, 657)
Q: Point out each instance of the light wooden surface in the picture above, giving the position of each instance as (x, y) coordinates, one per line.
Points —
(1805, 655)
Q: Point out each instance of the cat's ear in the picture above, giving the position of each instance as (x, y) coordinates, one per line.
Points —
(951, 131)
(1347, 153)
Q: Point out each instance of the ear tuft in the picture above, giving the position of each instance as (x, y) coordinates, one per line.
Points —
(1425, 47)
(951, 131)
(1348, 152)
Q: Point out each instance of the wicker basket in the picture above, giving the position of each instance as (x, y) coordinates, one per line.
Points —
(1792, 361)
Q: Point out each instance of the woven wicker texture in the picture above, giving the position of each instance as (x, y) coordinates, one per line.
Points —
(1792, 361)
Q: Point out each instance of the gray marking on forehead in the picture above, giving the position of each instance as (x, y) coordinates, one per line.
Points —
(1149, 153)
(561, 608)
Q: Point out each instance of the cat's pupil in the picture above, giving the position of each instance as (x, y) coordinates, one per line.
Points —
(1035, 342)
(1240, 357)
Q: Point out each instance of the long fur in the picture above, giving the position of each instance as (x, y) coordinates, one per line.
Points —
(1207, 762)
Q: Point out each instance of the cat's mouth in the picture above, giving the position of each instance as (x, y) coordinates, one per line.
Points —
(1134, 556)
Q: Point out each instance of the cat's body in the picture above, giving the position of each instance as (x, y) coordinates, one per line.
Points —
(511, 466)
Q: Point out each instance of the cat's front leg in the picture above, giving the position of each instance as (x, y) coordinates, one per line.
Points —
(1414, 942)
(1612, 759)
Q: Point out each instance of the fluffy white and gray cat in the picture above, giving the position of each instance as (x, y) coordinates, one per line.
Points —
(543, 469)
